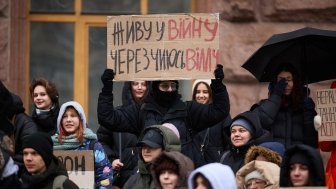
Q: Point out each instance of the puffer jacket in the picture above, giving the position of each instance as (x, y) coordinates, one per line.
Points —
(185, 167)
(46, 179)
(212, 142)
(189, 117)
(143, 178)
(23, 126)
(287, 126)
(316, 168)
(270, 171)
(235, 156)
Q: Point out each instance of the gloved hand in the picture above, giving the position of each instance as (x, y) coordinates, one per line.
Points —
(279, 87)
(317, 122)
(219, 72)
(217, 83)
(308, 104)
(107, 79)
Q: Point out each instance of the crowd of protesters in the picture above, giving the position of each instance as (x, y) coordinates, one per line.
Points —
(156, 140)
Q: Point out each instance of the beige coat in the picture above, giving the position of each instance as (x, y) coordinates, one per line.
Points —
(269, 170)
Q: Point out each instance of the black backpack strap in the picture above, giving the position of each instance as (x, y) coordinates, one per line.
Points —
(224, 156)
(204, 139)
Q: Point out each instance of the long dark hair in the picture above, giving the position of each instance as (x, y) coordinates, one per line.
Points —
(295, 99)
(207, 86)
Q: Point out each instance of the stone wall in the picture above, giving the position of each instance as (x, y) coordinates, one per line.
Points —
(247, 24)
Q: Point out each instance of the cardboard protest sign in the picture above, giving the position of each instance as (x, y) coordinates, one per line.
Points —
(326, 108)
(80, 166)
(163, 46)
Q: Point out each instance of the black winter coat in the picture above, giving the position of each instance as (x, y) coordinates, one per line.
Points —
(188, 117)
(47, 121)
(236, 155)
(287, 127)
(46, 179)
(316, 168)
(212, 142)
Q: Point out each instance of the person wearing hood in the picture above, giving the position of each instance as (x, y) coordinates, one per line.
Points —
(302, 166)
(258, 175)
(134, 92)
(153, 141)
(213, 141)
(267, 151)
(212, 176)
(245, 131)
(73, 134)
(44, 95)
(288, 113)
(164, 105)
(17, 124)
(171, 170)
(43, 170)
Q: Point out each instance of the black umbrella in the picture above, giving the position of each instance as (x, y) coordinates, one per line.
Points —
(311, 51)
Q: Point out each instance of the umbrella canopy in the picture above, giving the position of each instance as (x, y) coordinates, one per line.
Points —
(311, 51)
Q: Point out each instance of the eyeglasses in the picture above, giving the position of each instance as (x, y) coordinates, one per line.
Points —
(254, 181)
(164, 86)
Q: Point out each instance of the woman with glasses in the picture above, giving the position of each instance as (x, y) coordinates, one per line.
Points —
(164, 105)
(258, 175)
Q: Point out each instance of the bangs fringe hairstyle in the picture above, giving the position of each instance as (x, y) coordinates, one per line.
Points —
(296, 97)
(79, 132)
(166, 164)
(209, 91)
(48, 85)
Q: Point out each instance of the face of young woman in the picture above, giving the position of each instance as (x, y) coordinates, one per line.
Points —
(70, 121)
(139, 88)
(299, 174)
(202, 94)
(200, 183)
(149, 154)
(289, 78)
(239, 136)
(168, 179)
(41, 98)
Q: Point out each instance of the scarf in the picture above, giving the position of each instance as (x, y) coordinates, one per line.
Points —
(71, 142)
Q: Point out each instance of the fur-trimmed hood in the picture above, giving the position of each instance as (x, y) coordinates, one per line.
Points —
(269, 154)
(270, 171)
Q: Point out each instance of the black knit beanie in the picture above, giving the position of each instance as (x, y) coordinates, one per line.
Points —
(42, 143)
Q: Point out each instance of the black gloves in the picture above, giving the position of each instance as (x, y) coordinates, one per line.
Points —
(107, 78)
(217, 83)
(279, 87)
(219, 73)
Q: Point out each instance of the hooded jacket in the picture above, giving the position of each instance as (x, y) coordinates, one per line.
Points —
(189, 117)
(269, 170)
(316, 168)
(46, 179)
(236, 155)
(185, 167)
(143, 178)
(220, 176)
(102, 166)
(270, 155)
